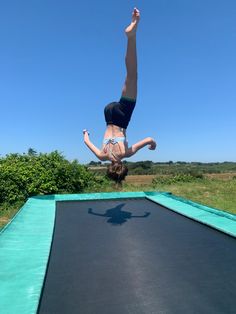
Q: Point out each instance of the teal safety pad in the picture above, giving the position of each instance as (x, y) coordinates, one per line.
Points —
(24, 249)
(212, 217)
(98, 196)
(26, 241)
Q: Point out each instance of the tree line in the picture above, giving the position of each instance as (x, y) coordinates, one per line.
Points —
(148, 167)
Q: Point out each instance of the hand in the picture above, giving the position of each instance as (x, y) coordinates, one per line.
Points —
(153, 145)
(85, 131)
(86, 135)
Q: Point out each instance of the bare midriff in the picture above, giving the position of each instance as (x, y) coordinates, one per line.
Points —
(119, 148)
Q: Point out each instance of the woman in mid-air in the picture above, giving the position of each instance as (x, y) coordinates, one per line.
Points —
(117, 115)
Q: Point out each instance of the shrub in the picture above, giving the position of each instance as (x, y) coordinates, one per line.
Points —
(22, 176)
(175, 179)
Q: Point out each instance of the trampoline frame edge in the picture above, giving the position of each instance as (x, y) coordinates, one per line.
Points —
(165, 199)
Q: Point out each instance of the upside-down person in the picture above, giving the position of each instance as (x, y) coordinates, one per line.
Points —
(118, 114)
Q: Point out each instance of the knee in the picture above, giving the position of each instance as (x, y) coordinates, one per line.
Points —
(132, 77)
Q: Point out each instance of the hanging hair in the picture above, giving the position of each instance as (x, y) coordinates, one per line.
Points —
(117, 171)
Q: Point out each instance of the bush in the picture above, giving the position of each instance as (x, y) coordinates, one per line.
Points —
(22, 176)
(175, 179)
(196, 174)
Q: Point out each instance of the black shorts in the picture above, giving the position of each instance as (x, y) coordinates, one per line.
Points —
(119, 113)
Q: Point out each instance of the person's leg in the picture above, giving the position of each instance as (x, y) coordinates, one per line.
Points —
(130, 87)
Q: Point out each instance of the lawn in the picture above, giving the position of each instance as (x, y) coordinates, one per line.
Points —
(214, 191)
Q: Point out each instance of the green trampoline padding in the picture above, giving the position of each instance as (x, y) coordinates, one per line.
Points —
(26, 241)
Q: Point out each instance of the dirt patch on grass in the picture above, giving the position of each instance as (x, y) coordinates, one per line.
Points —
(4, 219)
(222, 176)
(140, 179)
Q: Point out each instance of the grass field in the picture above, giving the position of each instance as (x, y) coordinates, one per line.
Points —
(147, 179)
(7, 212)
(214, 190)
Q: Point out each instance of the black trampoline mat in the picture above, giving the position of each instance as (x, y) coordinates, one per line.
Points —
(133, 256)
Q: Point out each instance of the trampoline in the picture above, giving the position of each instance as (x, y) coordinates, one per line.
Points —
(119, 253)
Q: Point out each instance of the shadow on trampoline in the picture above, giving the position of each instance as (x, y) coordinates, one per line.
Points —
(117, 216)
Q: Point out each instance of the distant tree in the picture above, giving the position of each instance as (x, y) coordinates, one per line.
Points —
(147, 164)
(32, 152)
(92, 163)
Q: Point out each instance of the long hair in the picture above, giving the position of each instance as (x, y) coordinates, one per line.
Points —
(117, 171)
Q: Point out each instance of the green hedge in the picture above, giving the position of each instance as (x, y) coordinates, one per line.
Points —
(22, 176)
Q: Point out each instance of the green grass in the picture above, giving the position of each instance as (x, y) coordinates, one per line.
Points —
(216, 193)
(8, 211)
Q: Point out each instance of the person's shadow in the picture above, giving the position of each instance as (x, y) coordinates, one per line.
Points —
(116, 216)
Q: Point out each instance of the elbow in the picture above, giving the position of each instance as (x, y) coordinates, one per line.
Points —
(149, 140)
(102, 158)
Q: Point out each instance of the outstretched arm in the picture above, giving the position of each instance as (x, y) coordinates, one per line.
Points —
(92, 147)
(90, 211)
(142, 216)
(135, 147)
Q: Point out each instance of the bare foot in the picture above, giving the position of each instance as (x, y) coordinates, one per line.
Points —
(131, 29)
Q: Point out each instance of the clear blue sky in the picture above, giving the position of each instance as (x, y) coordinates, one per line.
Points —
(62, 61)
